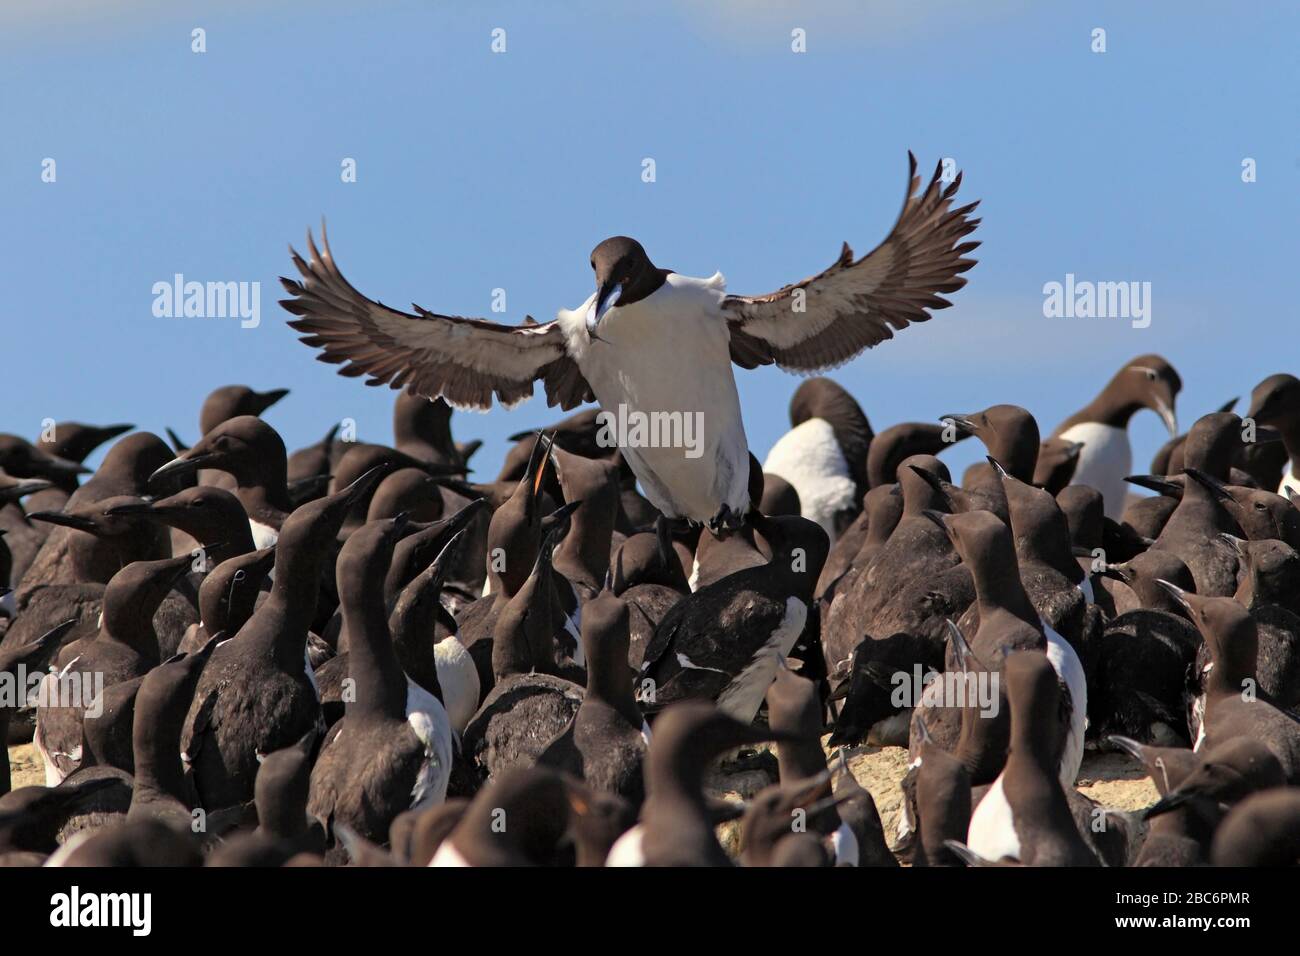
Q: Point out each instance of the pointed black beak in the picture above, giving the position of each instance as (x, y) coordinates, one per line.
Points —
(1213, 485)
(76, 522)
(180, 467)
(963, 423)
(56, 467)
(1117, 572)
(140, 508)
(997, 467)
(266, 399)
(938, 517)
(1237, 544)
(1177, 593)
(1157, 483)
(1167, 803)
(937, 484)
(1129, 746)
(22, 487)
(365, 483)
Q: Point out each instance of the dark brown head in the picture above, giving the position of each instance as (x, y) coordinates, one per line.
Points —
(280, 789)
(1276, 401)
(363, 561)
(1230, 635)
(919, 478)
(1085, 514)
(74, 440)
(244, 447)
(21, 459)
(1214, 444)
(624, 275)
(208, 514)
(135, 593)
(1057, 459)
(1272, 572)
(1040, 529)
(1149, 381)
(982, 540)
(232, 401)
(110, 518)
(410, 490)
(1009, 433)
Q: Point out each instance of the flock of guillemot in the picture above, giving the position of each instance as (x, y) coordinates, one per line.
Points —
(356, 653)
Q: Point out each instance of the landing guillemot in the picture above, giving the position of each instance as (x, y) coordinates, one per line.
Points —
(652, 341)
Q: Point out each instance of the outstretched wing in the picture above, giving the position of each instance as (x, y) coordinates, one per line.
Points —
(466, 361)
(829, 318)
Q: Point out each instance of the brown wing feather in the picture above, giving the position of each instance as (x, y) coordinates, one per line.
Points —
(466, 361)
(853, 305)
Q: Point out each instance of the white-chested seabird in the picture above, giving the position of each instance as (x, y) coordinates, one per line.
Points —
(651, 341)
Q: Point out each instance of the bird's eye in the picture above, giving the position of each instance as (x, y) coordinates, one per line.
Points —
(1151, 375)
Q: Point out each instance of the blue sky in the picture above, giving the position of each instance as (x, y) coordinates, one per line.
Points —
(479, 171)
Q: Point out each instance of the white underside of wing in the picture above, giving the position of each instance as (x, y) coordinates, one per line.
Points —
(741, 698)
